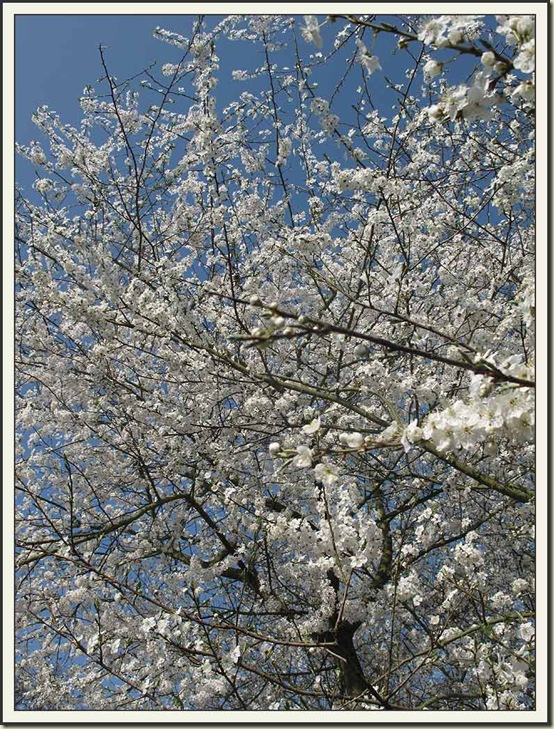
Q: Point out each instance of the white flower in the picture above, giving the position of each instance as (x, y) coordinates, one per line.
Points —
(516, 28)
(435, 112)
(412, 433)
(358, 560)
(235, 654)
(312, 427)
(432, 31)
(478, 90)
(526, 90)
(148, 624)
(525, 59)
(310, 31)
(326, 473)
(284, 149)
(431, 69)
(407, 587)
(274, 448)
(454, 101)
(352, 440)
(526, 631)
(524, 24)
(389, 433)
(304, 457)
(520, 680)
(455, 36)
(518, 585)
(43, 185)
(37, 155)
(368, 61)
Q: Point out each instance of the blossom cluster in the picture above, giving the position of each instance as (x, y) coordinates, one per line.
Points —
(275, 387)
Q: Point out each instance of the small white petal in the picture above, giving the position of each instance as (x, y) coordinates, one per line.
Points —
(312, 427)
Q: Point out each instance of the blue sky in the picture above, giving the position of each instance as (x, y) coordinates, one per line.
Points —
(56, 56)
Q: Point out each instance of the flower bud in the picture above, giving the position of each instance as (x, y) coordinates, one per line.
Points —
(488, 59)
(274, 448)
(361, 350)
(352, 440)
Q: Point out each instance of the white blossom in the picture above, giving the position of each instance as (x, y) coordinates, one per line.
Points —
(275, 372)
(311, 31)
(304, 457)
(525, 59)
(526, 631)
(313, 426)
(431, 69)
(526, 90)
(412, 433)
(369, 61)
(326, 473)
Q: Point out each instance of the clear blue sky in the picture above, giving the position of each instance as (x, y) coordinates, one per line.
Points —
(57, 55)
